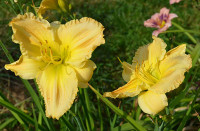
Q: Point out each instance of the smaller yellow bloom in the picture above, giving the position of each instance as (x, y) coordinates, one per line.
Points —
(152, 74)
(60, 5)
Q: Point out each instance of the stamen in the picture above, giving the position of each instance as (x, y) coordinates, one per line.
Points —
(144, 75)
(140, 76)
(124, 65)
(148, 75)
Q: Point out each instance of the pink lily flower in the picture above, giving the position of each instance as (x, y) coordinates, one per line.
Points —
(161, 20)
(174, 1)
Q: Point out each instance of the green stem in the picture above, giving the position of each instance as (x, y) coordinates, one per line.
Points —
(35, 119)
(195, 54)
(6, 52)
(135, 124)
(85, 111)
(100, 115)
(67, 123)
(77, 120)
(174, 31)
(186, 33)
(87, 102)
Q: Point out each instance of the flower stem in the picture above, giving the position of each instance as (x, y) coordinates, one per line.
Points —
(118, 111)
(186, 33)
(174, 31)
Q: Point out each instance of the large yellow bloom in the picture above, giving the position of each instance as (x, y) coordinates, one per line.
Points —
(152, 74)
(57, 56)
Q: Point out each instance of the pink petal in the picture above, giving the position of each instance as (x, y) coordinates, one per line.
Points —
(174, 1)
(157, 32)
(172, 16)
(164, 11)
(152, 22)
(155, 16)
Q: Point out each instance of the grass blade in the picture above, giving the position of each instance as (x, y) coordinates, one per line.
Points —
(67, 123)
(186, 117)
(19, 112)
(35, 119)
(85, 111)
(118, 111)
(6, 52)
(186, 33)
(195, 54)
(100, 114)
(14, 114)
(87, 102)
(81, 127)
(3, 125)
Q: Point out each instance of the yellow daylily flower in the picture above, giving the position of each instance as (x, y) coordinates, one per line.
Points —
(60, 5)
(152, 74)
(57, 56)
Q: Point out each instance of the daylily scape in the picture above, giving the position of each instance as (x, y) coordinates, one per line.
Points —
(57, 56)
(153, 73)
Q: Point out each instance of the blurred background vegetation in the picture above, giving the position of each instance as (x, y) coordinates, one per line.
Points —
(124, 33)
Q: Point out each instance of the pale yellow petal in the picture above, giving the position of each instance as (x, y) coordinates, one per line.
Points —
(151, 102)
(48, 5)
(179, 50)
(81, 37)
(131, 89)
(58, 85)
(26, 68)
(172, 72)
(156, 51)
(85, 73)
(30, 32)
(128, 71)
(141, 55)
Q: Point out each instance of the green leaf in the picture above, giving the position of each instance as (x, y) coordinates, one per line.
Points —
(35, 119)
(14, 114)
(19, 112)
(87, 102)
(135, 124)
(100, 113)
(81, 127)
(186, 33)
(85, 110)
(129, 127)
(187, 115)
(195, 54)
(67, 123)
(8, 121)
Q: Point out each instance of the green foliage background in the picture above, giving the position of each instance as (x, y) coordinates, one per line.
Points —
(124, 33)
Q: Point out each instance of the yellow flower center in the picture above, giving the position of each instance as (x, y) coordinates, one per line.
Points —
(147, 74)
(162, 24)
(51, 56)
